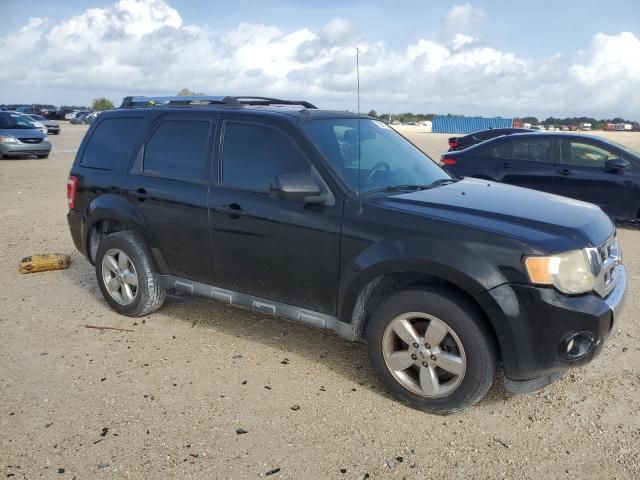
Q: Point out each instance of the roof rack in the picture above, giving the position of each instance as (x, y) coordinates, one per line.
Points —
(194, 100)
(273, 101)
(128, 102)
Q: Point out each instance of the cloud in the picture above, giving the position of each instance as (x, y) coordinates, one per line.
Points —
(462, 18)
(145, 47)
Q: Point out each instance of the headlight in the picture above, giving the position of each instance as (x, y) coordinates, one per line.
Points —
(569, 272)
(4, 139)
(46, 138)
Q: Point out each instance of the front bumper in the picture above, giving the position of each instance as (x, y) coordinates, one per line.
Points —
(25, 148)
(533, 323)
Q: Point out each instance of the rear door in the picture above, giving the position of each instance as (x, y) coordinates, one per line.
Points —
(526, 161)
(581, 174)
(168, 187)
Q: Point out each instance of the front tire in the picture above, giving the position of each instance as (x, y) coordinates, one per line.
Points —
(126, 275)
(431, 350)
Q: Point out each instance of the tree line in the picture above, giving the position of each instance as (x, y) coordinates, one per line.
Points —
(556, 121)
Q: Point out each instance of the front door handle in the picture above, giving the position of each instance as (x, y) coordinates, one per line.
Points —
(507, 165)
(565, 172)
(233, 210)
(139, 194)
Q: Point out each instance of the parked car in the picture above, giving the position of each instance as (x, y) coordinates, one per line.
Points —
(584, 167)
(36, 124)
(89, 119)
(335, 220)
(460, 143)
(83, 118)
(19, 137)
(52, 126)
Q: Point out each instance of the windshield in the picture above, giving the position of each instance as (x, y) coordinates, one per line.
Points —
(624, 148)
(371, 155)
(15, 121)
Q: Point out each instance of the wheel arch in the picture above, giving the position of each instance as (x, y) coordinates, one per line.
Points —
(381, 286)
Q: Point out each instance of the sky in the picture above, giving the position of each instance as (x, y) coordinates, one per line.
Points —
(492, 58)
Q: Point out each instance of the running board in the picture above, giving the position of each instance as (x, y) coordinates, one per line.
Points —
(256, 304)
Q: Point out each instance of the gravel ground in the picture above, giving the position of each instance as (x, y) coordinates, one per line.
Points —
(165, 399)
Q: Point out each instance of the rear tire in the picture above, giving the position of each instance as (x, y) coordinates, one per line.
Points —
(450, 375)
(126, 275)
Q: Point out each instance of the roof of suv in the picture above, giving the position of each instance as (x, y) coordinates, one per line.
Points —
(299, 109)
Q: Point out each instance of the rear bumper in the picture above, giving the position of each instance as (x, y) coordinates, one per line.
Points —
(534, 326)
(77, 227)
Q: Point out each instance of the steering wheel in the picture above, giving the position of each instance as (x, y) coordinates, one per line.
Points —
(376, 167)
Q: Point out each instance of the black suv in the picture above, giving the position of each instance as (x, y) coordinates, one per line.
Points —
(335, 220)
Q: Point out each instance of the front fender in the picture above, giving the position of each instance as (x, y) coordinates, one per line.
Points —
(453, 262)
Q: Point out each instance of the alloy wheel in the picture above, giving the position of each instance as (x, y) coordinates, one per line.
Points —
(119, 276)
(424, 354)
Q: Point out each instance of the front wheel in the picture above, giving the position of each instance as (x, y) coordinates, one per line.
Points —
(431, 350)
(126, 275)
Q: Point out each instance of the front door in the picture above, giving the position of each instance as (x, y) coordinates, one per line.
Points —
(281, 250)
(581, 174)
(169, 188)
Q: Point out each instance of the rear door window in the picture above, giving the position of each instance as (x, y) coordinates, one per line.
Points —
(112, 143)
(534, 150)
(178, 149)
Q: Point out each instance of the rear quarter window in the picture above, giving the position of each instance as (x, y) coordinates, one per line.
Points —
(112, 143)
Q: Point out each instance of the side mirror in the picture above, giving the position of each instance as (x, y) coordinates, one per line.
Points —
(616, 164)
(296, 186)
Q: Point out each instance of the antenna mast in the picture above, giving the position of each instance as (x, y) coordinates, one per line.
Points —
(358, 97)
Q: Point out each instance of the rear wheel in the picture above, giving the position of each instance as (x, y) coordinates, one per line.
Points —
(126, 275)
(431, 350)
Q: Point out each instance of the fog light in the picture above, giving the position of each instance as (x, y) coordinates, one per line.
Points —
(576, 345)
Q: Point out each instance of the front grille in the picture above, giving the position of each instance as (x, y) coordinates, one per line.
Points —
(604, 259)
(30, 140)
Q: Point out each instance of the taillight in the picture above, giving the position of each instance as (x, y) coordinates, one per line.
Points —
(448, 161)
(72, 186)
(453, 144)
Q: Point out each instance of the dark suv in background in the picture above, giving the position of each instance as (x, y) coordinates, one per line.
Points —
(334, 220)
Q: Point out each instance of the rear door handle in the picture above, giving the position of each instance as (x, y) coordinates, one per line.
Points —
(140, 194)
(507, 165)
(564, 171)
(233, 210)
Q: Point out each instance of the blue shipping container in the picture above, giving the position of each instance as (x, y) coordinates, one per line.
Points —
(468, 124)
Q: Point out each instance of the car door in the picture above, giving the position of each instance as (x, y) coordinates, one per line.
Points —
(526, 161)
(281, 250)
(581, 173)
(168, 188)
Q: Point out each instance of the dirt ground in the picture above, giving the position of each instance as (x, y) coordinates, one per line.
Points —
(164, 399)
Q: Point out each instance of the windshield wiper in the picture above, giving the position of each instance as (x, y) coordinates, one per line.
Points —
(444, 181)
(409, 186)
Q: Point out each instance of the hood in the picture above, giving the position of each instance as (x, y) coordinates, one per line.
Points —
(22, 132)
(553, 222)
